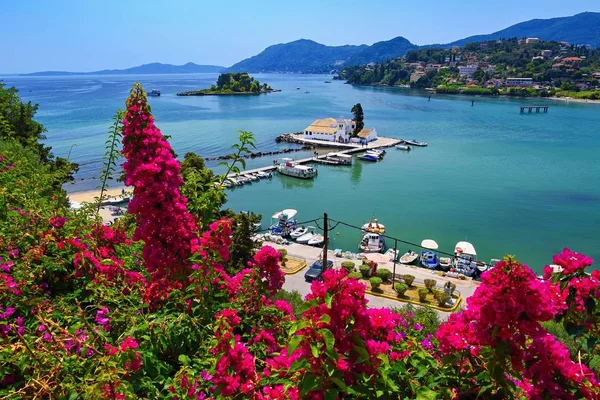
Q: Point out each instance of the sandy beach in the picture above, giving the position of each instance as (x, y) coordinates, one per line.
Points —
(89, 195)
(572, 100)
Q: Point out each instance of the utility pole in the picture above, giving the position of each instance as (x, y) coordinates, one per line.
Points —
(325, 236)
(395, 257)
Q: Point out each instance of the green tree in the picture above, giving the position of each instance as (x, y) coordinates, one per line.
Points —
(359, 116)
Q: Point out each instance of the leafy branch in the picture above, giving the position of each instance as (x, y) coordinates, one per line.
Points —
(246, 142)
(112, 154)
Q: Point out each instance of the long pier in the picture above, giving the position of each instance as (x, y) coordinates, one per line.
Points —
(379, 143)
(531, 108)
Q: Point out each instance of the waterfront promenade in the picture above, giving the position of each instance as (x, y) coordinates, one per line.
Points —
(466, 288)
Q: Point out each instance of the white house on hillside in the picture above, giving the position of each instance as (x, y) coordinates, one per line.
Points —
(330, 129)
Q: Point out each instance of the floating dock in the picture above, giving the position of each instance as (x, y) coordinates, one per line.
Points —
(379, 143)
(536, 108)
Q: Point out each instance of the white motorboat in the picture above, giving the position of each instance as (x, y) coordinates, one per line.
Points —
(372, 243)
(340, 158)
(296, 233)
(289, 168)
(306, 237)
(316, 240)
(392, 254)
(465, 259)
(252, 177)
(263, 174)
(285, 222)
(445, 263)
(377, 153)
(415, 142)
(403, 147)
(409, 257)
(374, 226)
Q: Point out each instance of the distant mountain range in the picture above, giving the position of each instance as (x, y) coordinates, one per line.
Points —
(307, 56)
(153, 68)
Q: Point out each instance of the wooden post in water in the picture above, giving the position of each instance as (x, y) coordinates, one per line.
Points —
(325, 237)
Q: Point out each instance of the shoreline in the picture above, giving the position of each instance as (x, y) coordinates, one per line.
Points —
(564, 99)
(89, 196)
(207, 92)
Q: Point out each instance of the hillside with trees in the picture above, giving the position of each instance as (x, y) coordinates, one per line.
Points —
(233, 83)
(555, 69)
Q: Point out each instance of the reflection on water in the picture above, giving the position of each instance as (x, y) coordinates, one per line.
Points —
(292, 183)
(356, 171)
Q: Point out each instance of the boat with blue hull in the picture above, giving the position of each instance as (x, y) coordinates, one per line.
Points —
(429, 258)
(368, 157)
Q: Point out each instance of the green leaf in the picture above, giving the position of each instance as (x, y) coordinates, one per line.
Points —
(294, 342)
(328, 337)
(340, 383)
(328, 299)
(314, 350)
(308, 383)
(185, 360)
(424, 393)
(331, 394)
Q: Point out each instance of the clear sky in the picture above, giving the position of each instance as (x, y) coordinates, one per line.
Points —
(82, 35)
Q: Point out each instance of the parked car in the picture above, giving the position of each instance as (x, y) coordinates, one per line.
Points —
(316, 270)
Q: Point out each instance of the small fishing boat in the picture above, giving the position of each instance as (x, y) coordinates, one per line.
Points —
(297, 88)
(316, 240)
(154, 92)
(465, 259)
(415, 142)
(378, 153)
(264, 174)
(368, 157)
(327, 81)
(339, 158)
(373, 226)
(307, 236)
(252, 177)
(372, 243)
(445, 263)
(392, 254)
(296, 233)
(410, 257)
(403, 147)
(285, 222)
(429, 258)
(306, 91)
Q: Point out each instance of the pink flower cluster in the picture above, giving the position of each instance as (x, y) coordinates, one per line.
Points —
(168, 230)
(507, 309)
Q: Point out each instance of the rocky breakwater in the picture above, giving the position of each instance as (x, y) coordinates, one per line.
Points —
(263, 154)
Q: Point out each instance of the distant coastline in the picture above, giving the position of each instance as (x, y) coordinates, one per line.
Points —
(153, 68)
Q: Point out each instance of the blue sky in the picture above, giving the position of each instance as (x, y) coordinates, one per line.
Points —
(81, 35)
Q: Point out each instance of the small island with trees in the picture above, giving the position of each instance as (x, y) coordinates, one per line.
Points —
(233, 83)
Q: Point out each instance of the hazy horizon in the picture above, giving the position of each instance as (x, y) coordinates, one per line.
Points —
(66, 35)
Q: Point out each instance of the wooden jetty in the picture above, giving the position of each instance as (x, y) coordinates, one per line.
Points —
(380, 143)
(537, 108)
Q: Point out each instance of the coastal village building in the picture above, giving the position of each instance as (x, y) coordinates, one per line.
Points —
(365, 136)
(522, 82)
(330, 130)
(531, 40)
(546, 53)
(467, 70)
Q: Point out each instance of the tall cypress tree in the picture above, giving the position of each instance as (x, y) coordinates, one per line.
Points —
(359, 116)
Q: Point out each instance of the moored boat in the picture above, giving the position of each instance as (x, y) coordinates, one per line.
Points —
(289, 168)
(429, 258)
(377, 153)
(264, 174)
(372, 243)
(340, 158)
(285, 222)
(410, 257)
(445, 263)
(307, 236)
(392, 254)
(154, 92)
(374, 226)
(415, 142)
(299, 231)
(368, 157)
(403, 147)
(316, 240)
(465, 259)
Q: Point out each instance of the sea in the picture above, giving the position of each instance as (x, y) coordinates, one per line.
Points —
(509, 183)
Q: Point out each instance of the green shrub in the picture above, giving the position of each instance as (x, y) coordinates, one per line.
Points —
(375, 282)
(427, 317)
(401, 288)
(356, 275)
(441, 297)
(364, 270)
(384, 274)
(294, 298)
(348, 266)
(430, 284)
(283, 253)
(423, 295)
(408, 279)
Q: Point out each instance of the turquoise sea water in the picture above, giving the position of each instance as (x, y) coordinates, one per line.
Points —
(509, 183)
